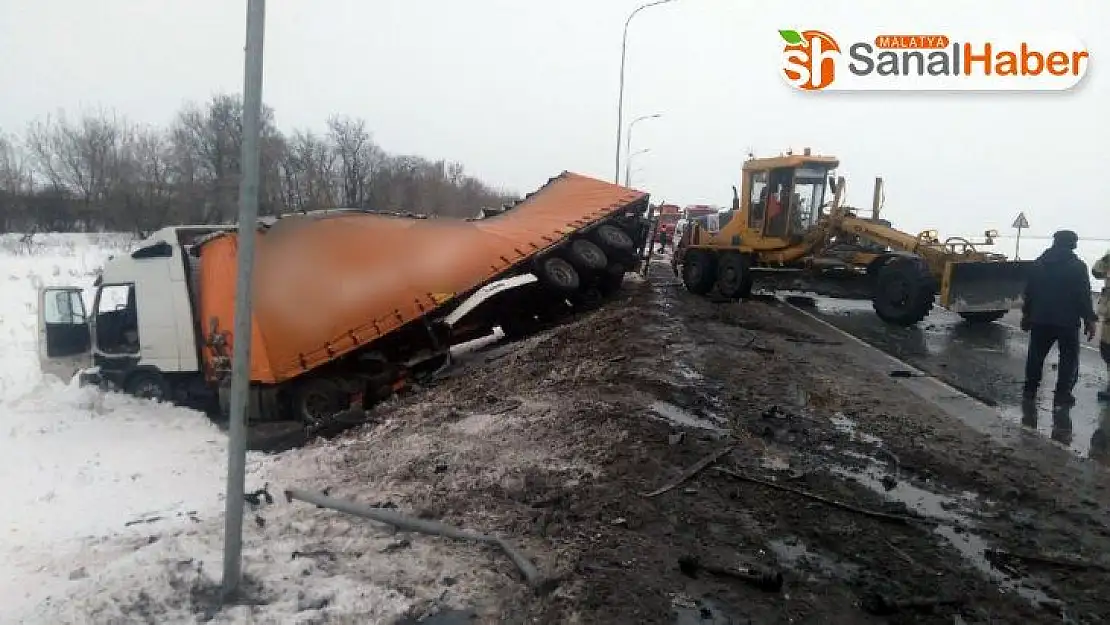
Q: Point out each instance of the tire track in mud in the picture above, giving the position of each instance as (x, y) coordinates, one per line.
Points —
(861, 468)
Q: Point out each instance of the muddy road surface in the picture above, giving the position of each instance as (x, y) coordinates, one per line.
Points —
(666, 459)
(988, 363)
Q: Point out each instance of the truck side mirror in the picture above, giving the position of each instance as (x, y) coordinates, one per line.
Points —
(735, 199)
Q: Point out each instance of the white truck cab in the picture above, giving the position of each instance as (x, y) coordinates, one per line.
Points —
(141, 331)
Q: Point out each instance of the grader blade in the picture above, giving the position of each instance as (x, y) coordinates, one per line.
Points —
(982, 286)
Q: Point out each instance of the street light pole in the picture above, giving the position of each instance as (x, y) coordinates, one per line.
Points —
(628, 141)
(620, 96)
(628, 165)
(241, 347)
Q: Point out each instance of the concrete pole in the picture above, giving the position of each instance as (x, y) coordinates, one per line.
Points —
(241, 355)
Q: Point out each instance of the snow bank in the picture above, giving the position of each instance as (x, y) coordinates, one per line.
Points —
(114, 505)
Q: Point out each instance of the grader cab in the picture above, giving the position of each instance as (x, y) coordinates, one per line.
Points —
(788, 229)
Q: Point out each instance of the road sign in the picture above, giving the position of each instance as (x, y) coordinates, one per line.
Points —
(1020, 224)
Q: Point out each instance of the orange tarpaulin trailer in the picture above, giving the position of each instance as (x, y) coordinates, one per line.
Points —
(325, 285)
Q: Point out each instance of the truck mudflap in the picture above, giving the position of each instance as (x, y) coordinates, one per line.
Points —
(983, 286)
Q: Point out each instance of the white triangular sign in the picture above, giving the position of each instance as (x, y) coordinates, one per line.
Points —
(1021, 221)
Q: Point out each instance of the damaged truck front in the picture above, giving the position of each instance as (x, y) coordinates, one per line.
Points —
(349, 306)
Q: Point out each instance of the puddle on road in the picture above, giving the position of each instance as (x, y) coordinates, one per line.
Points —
(684, 418)
(774, 463)
(700, 612)
(687, 372)
(916, 498)
(845, 425)
(792, 553)
(971, 546)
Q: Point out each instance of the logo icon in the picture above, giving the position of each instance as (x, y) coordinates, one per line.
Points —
(809, 59)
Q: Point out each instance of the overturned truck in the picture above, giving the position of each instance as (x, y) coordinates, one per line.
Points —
(349, 306)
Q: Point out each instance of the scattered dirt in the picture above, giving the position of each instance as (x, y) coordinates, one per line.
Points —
(553, 442)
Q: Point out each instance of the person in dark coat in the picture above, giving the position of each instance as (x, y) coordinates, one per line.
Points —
(1057, 301)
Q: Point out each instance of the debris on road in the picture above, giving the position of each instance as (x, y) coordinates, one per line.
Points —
(884, 516)
(698, 467)
(432, 528)
(881, 605)
(769, 581)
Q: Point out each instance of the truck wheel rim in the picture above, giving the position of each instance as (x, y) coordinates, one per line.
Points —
(149, 390)
(615, 237)
(590, 254)
(560, 273)
(317, 406)
(730, 277)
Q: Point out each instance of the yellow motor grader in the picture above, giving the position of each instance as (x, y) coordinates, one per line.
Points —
(783, 234)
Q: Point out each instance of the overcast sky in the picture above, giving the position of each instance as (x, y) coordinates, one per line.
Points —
(520, 90)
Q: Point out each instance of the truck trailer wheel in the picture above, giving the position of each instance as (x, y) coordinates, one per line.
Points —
(734, 276)
(614, 239)
(556, 272)
(983, 316)
(611, 279)
(317, 399)
(699, 271)
(586, 255)
(904, 291)
(520, 325)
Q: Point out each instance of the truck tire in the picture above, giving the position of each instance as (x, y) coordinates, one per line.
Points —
(588, 299)
(316, 399)
(983, 316)
(904, 291)
(520, 325)
(699, 271)
(558, 273)
(614, 240)
(734, 276)
(148, 385)
(611, 279)
(586, 255)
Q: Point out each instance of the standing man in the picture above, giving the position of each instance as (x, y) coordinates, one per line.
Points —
(1100, 270)
(1057, 301)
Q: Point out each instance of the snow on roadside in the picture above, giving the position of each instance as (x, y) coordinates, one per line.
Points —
(114, 505)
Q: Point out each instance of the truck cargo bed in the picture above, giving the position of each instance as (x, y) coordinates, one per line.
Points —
(328, 284)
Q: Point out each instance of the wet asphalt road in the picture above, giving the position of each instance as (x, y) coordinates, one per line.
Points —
(988, 363)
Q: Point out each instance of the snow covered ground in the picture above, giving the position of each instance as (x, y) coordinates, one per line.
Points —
(113, 507)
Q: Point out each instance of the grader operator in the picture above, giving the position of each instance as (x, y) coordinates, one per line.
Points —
(784, 233)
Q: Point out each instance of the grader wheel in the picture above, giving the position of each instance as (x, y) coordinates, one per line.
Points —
(904, 291)
(734, 276)
(699, 271)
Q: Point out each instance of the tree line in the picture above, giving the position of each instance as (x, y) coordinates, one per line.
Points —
(101, 171)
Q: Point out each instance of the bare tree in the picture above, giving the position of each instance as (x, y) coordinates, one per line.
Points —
(79, 157)
(309, 177)
(208, 141)
(101, 171)
(359, 159)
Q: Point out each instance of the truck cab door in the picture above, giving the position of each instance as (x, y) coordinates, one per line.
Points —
(64, 339)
